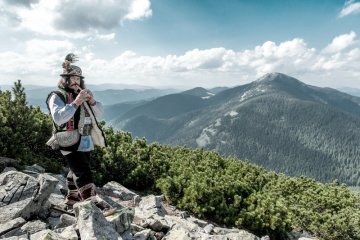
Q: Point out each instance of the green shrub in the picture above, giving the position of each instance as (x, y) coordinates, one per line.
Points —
(225, 190)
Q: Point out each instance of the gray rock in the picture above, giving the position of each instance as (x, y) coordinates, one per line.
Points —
(61, 186)
(148, 206)
(177, 233)
(208, 228)
(46, 235)
(119, 190)
(33, 227)
(111, 202)
(68, 232)
(8, 169)
(224, 231)
(23, 195)
(241, 235)
(143, 235)
(300, 235)
(65, 221)
(184, 214)
(134, 228)
(53, 200)
(13, 233)
(127, 235)
(35, 168)
(199, 222)
(175, 221)
(57, 200)
(22, 237)
(53, 222)
(122, 219)
(10, 225)
(137, 200)
(205, 236)
(16, 186)
(159, 235)
(92, 224)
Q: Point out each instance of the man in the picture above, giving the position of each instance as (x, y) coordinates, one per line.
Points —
(73, 110)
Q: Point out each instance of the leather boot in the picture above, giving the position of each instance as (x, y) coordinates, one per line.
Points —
(72, 195)
(88, 192)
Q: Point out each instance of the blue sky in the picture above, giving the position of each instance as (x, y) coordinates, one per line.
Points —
(182, 43)
(179, 25)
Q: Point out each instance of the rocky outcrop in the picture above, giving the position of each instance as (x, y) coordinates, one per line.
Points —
(23, 195)
(32, 207)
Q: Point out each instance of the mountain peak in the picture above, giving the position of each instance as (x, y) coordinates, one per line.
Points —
(272, 76)
(279, 79)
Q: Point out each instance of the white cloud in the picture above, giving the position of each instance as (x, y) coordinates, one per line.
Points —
(341, 42)
(338, 63)
(76, 19)
(139, 9)
(25, 3)
(349, 8)
(106, 37)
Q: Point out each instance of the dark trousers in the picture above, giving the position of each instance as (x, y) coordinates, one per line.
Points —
(80, 172)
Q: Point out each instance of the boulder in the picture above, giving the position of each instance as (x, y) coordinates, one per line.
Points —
(142, 235)
(53, 222)
(119, 191)
(8, 169)
(149, 206)
(66, 220)
(208, 228)
(61, 187)
(183, 223)
(241, 235)
(10, 225)
(46, 235)
(35, 168)
(22, 195)
(92, 224)
(33, 227)
(68, 232)
(157, 223)
(122, 219)
(177, 233)
(22, 237)
(199, 222)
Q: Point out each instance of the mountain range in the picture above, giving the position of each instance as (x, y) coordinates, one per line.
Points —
(277, 122)
(108, 94)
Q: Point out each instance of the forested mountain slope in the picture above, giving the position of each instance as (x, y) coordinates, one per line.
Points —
(277, 122)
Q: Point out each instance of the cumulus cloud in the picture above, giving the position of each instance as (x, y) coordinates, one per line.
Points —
(138, 9)
(349, 8)
(338, 63)
(341, 42)
(25, 3)
(40, 61)
(217, 66)
(60, 17)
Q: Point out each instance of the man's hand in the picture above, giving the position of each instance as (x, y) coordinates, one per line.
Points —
(81, 97)
(90, 98)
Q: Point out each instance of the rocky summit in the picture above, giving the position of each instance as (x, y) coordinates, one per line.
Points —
(32, 207)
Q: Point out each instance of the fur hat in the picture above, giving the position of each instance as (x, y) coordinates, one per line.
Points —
(71, 70)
